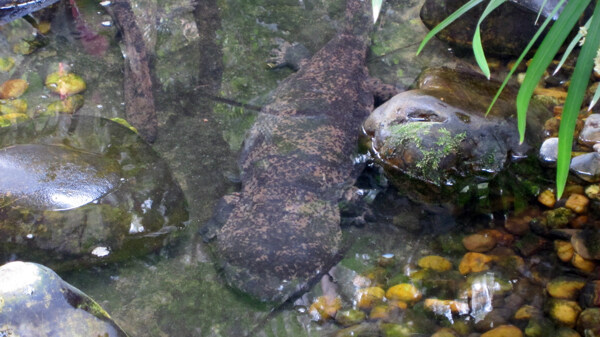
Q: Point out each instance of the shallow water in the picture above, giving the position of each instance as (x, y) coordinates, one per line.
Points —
(203, 79)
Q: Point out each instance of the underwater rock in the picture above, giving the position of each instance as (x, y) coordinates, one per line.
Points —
(587, 166)
(505, 32)
(439, 134)
(13, 88)
(590, 134)
(82, 190)
(36, 302)
(549, 152)
(588, 323)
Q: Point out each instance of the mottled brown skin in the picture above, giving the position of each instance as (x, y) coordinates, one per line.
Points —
(283, 228)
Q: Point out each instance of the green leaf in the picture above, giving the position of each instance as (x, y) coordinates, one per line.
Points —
(544, 55)
(524, 53)
(447, 21)
(575, 95)
(571, 46)
(477, 47)
(376, 5)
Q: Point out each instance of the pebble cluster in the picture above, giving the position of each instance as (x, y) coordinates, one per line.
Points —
(526, 277)
(14, 109)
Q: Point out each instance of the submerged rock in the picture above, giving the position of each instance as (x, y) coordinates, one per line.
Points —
(83, 190)
(36, 302)
(439, 133)
(505, 32)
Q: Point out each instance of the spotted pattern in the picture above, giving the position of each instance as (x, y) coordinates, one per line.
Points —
(282, 230)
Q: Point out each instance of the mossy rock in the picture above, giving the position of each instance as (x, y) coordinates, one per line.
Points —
(81, 190)
(35, 301)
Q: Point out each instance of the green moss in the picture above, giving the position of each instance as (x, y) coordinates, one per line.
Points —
(445, 145)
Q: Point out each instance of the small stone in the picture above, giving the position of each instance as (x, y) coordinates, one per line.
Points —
(64, 83)
(13, 88)
(517, 225)
(405, 292)
(539, 327)
(324, 308)
(587, 166)
(527, 312)
(580, 263)
(549, 152)
(6, 63)
(474, 263)
(564, 312)
(381, 312)
(565, 287)
(435, 262)
(502, 237)
(349, 317)
(559, 217)
(445, 332)
(567, 332)
(591, 294)
(504, 331)
(479, 243)
(588, 323)
(13, 106)
(13, 118)
(68, 105)
(590, 134)
(578, 203)
(564, 250)
(587, 244)
(579, 222)
(367, 298)
(443, 307)
(530, 244)
(593, 192)
(547, 198)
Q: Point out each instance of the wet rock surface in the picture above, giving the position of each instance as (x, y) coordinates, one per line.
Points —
(439, 134)
(83, 190)
(36, 302)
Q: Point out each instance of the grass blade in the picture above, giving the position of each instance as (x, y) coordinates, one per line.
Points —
(376, 5)
(577, 89)
(595, 98)
(540, 11)
(524, 53)
(477, 46)
(544, 55)
(447, 21)
(571, 46)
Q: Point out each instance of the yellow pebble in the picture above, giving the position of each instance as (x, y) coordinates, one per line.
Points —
(564, 312)
(578, 203)
(405, 292)
(565, 288)
(435, 262)
(13, 88)
(380, 312)
(474, 263)
(547, 198)
(582, 264)
(504, 331)
(527, 312)
(324, 308)
(367, 298)
(564, 250)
